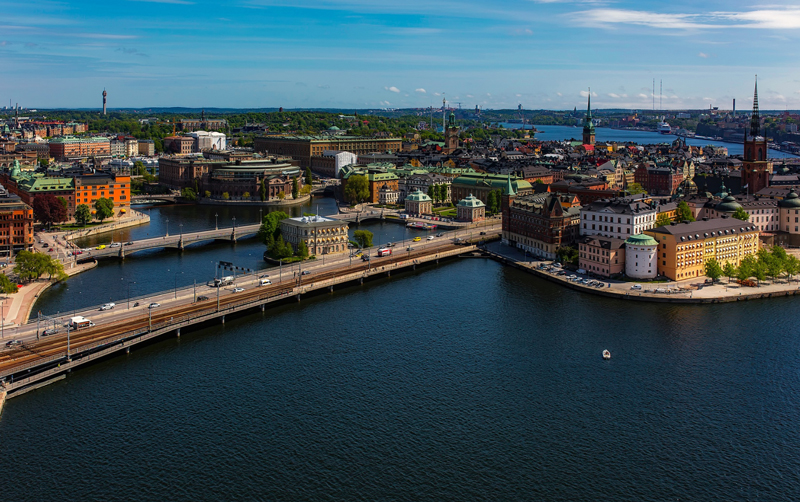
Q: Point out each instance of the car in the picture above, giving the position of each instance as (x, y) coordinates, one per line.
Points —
(237, 290)
(202, 298)
(430, 237)
(45, 245)
(129, 243)
(306, 272)
(636, 287)
(561, 273)
(363, 257)
(115, 245)
(483, 233)
(108, 306)
(154, 305)
(417, 239)
(101, 246)
(409, 248)
(440, 234)
(49, 331)
(77, 251)
(11, 343)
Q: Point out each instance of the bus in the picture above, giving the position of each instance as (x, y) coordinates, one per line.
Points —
(80, 322)
(384, 252)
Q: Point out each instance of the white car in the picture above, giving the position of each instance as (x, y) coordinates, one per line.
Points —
(636, 287)
(154, 305)
(115, 245)
(430, 237)
(108, 306)
(237, 290)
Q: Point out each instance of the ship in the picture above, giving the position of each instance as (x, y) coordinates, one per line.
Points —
(664, 128)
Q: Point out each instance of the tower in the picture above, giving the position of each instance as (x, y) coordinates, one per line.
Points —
(588, 125)
(509, 194)
(104, 101)
(451, 135)
(756, 169)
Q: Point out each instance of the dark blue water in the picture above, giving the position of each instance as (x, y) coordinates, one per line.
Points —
(468, 381)
(561, 133)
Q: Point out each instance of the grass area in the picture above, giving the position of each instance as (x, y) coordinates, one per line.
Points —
(75, 226)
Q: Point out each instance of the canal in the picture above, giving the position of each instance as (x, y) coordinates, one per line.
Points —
(461, 381)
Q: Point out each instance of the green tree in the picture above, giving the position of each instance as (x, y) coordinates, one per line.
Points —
(683, 212)
(363, 238)
(493, 201)
(662, 220)
(635, 188)
(356, 190)
(271, 227)
(262, 190)
(728, 270)
(432, 193)
(30, 266)
(7, 286)
(226, 196)
(568, 255)
(713, 270)
(309, 178)
(246, 195)
(189, 194)
(443, 192)
(792, 266)
(280, 249)
(281, 195)
(64, 203)
(104, 208)
(741, 214)
(138, 168)
(302, 250)
(746, 268)
(208, 194)
(295, 188)
(83, 214)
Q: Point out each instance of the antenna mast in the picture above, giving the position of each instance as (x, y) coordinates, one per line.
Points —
(660, 94)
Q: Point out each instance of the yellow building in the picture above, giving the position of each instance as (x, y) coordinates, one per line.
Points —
(684, 248)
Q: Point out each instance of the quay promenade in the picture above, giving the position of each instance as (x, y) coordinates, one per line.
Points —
(692, 291)
(40, 359)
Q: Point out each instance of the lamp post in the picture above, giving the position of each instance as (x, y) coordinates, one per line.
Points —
(260, 216)
(167, 227)
(216, 227)
(180, 226)
(129, 293)
(176, 284)
(234, 223)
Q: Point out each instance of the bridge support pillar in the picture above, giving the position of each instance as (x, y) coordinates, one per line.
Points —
(122, 253)
(388, 273)
(178, 333)
(330, 288)
(263, 306)
(298, 297)
(361, 281)
(414, 266)
(180, 244)
(233, 236)
(223, 319)
(127, 350)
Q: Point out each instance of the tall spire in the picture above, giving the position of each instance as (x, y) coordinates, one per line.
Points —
(755, 120)
(509, 186)
(589, 106)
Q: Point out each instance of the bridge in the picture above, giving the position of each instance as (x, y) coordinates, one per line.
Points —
(144, 199)
(38, 361)
(179, 241)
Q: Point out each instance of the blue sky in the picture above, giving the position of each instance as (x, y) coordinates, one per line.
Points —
(374, 53)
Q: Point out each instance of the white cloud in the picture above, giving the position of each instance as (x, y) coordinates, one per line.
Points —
(612, 95)
(392, 89)
(559, 94)
(470, 96)
(643, 96)
(420, 90)
(771, 19)
(703, 55)
(385, 103)
(585, 94)
(436, 94)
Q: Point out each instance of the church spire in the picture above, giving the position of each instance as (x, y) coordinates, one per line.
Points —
(589, 106)
(755, 120)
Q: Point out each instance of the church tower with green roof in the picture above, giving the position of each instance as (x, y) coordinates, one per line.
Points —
(588, 125)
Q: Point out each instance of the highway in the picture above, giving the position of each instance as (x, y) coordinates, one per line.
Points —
(180, 304)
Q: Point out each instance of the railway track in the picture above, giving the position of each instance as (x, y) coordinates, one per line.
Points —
(54, 348)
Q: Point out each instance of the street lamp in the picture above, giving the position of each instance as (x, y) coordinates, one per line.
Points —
(176, 284)
(129, 293)
(260, 217)
(216, 227)
(167, 227)
(234, 223)
(180, 227)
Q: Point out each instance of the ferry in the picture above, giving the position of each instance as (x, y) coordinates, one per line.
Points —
(421, 226)
(606, 354)
(664, 128)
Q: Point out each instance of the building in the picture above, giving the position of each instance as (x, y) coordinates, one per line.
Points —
(684, 248)
(588, 124)
(104, 101)
(789, 211)
(756, 168)
(451, 131)
(331, 162)
(658, 180)
(377, 178)
(179, 145)
(641, 256)
(204, 140)
(68, 148)
(16, 223)
(602, 256)
(539, 223)
(190, 125)
(321, 235)
(480, 184)
(303, 148)
(418, 203)
(471, 209)
(117, 148)
(147, 147)
(618, 218)
(243, 181)
(93, 186)
(422, 181)
(388, 196)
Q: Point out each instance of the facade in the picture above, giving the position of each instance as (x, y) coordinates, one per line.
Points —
(471, 209)
(540, 223)
(418, 203)
(204, 140)
(302, 148)
(117, 148)
(321, 235)
(756, 168)
(684, 248)
(641, 257)
(450, 135)
(789, 211)
(480, 184)
(618, 218)
(388, 196)
(602, 256)
(147, 147)
(422, 181)
(190, 125)
(71, 148)
(16, 223)
(179, 145)
(658, 180)
(179, 173)
(243, 181)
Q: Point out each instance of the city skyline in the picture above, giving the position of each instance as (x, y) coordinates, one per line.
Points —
(355, 54)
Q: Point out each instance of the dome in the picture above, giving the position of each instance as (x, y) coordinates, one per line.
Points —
(723, 192)
(418, 196)
(792, 201)
(728, 205)
(641, 240)
(471, 201)
(334, 128)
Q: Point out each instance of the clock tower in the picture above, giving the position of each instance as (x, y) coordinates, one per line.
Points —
(756, 168)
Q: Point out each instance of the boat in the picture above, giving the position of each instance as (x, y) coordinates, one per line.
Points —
(606, 354)
(664, 128)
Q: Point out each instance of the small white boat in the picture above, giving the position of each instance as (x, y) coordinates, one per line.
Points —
(606, 354)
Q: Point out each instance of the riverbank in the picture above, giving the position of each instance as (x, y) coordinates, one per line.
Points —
(269, 203)
(687, 292)
(132, 219)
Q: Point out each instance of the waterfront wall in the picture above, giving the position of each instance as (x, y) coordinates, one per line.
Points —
(139, 219)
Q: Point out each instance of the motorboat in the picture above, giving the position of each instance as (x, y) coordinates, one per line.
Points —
(606, 354)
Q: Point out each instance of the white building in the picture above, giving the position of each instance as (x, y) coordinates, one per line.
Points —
(117, 148)
(617, 218)
(641, 257)
(204, 140)
(341, 159)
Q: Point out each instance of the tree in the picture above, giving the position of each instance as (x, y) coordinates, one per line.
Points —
(64, 203)
(713, 270)
(7, 287)
(271, 227)
(226, 196)
(635, 188)
(746, 268)
(443, 192)
(295, 188)
(246, 195)
(281, 195)
(309, 178)
(363, 238)
(567, 255)
(741, 214)
(432, 193)
(356, 190)
(30, 266)
(493, 201)
(662, 220)
(138, 168)
(207, 194)
(280, 249)
(262, 190)
(683, 212)
(189, 194)
(83, 214)
(792, 266)
(302, 250)
(48, 209)
(104, 208)
(728, 270)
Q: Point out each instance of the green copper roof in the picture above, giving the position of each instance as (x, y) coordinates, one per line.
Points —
(728, 205)
(418, 196)
(471, 201)
(641, 240)
(791, 201)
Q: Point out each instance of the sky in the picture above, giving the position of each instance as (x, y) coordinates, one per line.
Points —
(543, 54)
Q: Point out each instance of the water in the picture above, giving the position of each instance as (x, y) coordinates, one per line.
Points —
(561, 133)
(152, 271)
(463, 381)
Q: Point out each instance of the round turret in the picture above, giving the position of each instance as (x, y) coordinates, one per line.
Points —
(728, 205)
(792, 201)
(641, 257)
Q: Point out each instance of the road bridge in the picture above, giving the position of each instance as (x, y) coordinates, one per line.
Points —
(179, 241)
(37, 361)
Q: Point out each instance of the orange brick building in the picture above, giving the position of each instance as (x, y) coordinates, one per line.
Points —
(70, 147)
